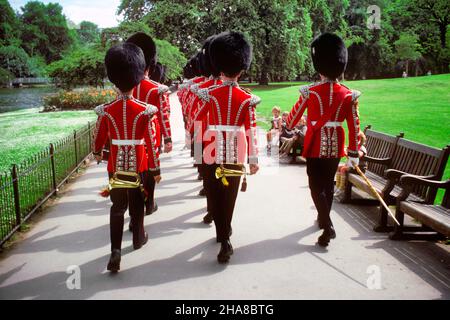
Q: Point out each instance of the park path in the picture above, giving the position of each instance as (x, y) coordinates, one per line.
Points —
(274, 237)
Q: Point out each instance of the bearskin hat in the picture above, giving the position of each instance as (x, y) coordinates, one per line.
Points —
(230, 53)
(329, 55)
(158, 73)
(191, 69)
(146, 43)
(206, 66)
(125, 66)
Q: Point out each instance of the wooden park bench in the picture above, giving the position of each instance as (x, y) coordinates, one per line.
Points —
(380, 149)
(436, 217)
(408, 158)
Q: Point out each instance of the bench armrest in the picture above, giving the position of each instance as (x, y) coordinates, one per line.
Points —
(408, 182)
(411, 180)
(395, 175)
(384, 161)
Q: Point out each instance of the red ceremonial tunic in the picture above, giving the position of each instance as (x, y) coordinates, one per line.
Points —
(335, 102)
(185, 93)
(127, 123)
(152, 92)
(231, 132)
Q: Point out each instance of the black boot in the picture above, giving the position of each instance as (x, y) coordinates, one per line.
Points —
(149, 211)
(328, 233)
(137, 247)
(114, 261)
(208, 218)
(226, 250)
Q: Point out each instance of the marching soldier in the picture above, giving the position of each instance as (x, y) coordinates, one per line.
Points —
(196, 102)
(127, 122)
(329, 103)
(228, 109)
(152, 92)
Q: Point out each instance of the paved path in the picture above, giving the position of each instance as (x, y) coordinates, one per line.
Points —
(274, 239)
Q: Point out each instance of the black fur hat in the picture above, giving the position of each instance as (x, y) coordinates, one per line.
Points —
(191, 70)
(206, 66)
(230, 53)
(158, 73)
(125, 66)
(329, 55)
(146, 43)
(195, 65)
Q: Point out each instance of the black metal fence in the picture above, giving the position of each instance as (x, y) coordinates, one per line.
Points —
(31, 183)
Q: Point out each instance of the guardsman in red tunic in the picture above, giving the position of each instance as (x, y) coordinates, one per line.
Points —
(154, 93)
(127, 123)
(184, 93)
(213, 80)
(231, 132)
(329, 104)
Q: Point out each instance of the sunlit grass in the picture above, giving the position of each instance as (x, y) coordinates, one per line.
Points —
(25, 132)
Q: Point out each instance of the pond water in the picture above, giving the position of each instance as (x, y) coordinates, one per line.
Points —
(12, 99)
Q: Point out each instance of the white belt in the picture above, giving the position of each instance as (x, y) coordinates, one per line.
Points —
(117, 142)
(225, 128)
(329, 124)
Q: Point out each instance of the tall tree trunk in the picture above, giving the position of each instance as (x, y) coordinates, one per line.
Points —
(443, 32)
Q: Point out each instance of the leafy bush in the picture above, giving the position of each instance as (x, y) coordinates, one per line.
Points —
(83, 66)
(79, 99)
(5, 77)
(15, 60)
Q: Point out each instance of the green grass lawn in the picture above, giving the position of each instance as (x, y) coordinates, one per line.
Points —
(419, 107)
(25, 132)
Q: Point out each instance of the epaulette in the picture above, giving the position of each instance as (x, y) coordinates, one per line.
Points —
(194, 88)
(150, 110)
(254, 100)
(162, 89)
(355, 95)
(100, 110)
(203, 94)
(304, 90)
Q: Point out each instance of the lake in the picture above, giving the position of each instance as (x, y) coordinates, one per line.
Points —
(12, 99)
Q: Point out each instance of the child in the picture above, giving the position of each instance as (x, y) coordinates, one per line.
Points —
(275, 126)
(329, 103)
(127, 122)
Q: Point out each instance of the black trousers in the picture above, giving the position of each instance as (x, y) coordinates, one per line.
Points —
(150, 187)
(201, 170)
(321, 173)
(123, 199)
(221, 199)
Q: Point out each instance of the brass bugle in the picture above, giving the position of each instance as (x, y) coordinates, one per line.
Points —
(222, 173)
(117, 183)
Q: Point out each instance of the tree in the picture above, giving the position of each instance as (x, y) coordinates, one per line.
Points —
(438, 12)
(88, 32)
(9, 25)
(407, 48)
(84, 66)
(15, 60)
(168, 54)
(45, 30)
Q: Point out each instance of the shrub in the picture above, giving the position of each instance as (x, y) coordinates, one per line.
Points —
(5, 77)
(81, 67)
(79, 99)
